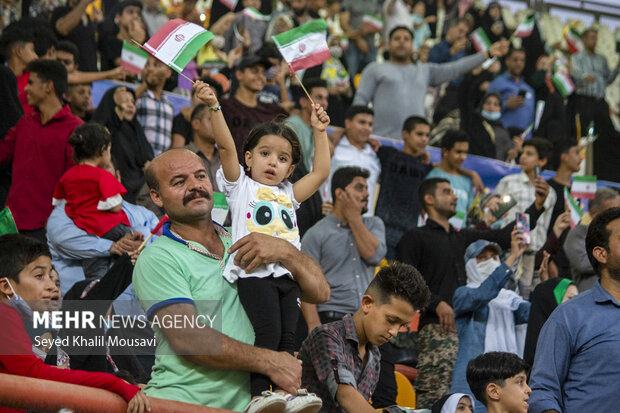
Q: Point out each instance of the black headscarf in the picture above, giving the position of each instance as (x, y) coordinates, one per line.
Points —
(130, 148)
(543, 303)
(488, 22)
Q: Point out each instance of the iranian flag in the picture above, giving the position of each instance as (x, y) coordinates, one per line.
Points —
(480, 40)
(177, 42)
(574, 208)
(231, 4)
(563, 82)
(526, 27)
(372, 21)
(527, 131)
(304, 46)
(584, 187)
(573, 39)
(254, 14)
(133, 58)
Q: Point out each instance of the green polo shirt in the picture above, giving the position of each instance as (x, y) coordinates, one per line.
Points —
(168, 272)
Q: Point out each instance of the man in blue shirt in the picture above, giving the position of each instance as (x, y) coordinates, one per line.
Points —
(577, 364)
(452, 48)
(518, 100)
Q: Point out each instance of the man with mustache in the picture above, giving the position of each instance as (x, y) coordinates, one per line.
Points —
(180, 275)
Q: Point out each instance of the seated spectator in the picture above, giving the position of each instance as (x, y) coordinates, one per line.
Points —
(154, 112)
(126, 25)
(518, 98)
(453, 47)
(26, 267)
(545, 298)
(487, 314)
(92, 195)
(71, 22)
(455, 402)
(488, 136)
(79, 100)
(354, 149)
(402, 172)
(523, 187)
(130, 149)
(499, 381)
(39, 148)
(582, 272)
(566, 161)
(70, 245)
(341, 359)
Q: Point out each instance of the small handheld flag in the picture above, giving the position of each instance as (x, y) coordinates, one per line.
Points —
(155, 231)
(304, 46)
(231, 4)
(372, 21)
(583, 187)
(7, 224)
(573, 39)
(254, 14)
(133, 58)
(564, 83)
(573, 207)
(526, 27)
(480, 40)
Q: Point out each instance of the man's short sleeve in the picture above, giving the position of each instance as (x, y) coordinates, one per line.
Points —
(376, 226)
(159, 278)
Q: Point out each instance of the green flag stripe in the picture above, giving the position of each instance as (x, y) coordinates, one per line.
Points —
(188, 52)
(292, 35)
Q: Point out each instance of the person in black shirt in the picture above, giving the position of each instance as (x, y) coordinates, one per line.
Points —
(437, 251)
(126, 25)
(71, 22)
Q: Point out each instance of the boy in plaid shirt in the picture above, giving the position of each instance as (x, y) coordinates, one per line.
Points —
(341, 359)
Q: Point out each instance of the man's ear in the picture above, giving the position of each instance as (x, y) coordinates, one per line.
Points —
(196, 124)
(367, 302)
(5, 289)
(542, 162)
(429, 200)
(156, 198)
(600, 254)
(494, 392)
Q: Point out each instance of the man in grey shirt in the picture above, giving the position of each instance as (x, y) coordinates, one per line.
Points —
(584, 275)
(397, 88)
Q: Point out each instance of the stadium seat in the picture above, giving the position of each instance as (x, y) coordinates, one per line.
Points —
(405, 396)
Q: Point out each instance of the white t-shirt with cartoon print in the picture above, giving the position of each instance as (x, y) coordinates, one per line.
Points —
(266, 209)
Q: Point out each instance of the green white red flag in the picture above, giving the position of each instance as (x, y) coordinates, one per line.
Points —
(564, 83)
(177, 42)
(583, 187)
(254, 14)
(573, 39)
(372, 21)
(480, 40)
(526, 27)
(304, 46)
(133, 58)
(573, 207)
(231, 4)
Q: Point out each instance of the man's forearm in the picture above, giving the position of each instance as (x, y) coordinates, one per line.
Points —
(365, 240)
(307, 273)
(311, 315)
(67, 23)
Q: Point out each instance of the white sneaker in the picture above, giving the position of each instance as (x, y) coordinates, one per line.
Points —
(268, 402)
(304, 402)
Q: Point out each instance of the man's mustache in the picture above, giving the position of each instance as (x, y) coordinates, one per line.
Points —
(196, 194)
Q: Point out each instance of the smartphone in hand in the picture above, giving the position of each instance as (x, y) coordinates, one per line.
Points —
(523, 226)
(536, 171)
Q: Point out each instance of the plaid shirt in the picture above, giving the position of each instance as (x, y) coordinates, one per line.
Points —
(521, 189)
(156, 116)
(331, 356)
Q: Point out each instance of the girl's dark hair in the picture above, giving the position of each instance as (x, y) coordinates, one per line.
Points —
(274, 128)
(89, 140)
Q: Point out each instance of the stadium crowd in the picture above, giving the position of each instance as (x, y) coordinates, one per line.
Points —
(346, 254)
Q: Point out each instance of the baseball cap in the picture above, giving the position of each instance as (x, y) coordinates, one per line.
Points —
(476, 247)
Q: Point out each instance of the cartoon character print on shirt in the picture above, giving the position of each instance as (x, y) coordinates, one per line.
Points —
(272, 214)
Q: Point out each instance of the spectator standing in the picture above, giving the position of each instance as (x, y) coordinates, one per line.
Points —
(71, 22)
(127, 25)
(39, 147)
(362, 50)
(154, 111)
(152, 15)
(567, 161)
(393, 87)
(402, 172)
(575, 373)
(354, 150)
(437, 250)
(397, 13)
(18, 50)
(574, 246)
(518, 97)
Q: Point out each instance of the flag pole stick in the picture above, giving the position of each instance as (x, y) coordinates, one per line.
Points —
(304, 88)
(141, 247)
(140, 46)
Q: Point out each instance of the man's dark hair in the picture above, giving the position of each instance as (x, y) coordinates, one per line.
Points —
(15, 36)
(51, 71)
(412, 121)
(494, 367)
(588, 31)
(428, 187)
(127, 3)
(89, 140)
(458, 21)
(274, 128)
(401, 281)
(311, 84)
(198, 111)
(44, 39)
(601, 196)
(16, 252)
(215, 85)
(344, 176)
(543, 147)
(397, 28)
(513, 50)
(451, 137)
(68, 47)
(598, 234)
(560, 148)
(356, 110)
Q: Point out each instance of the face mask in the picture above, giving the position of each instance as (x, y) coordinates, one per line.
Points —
(18, 303)
(486, 268)
(335, 52)
(491, 115)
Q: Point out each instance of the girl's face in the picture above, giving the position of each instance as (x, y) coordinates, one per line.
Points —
(271, 160)
(491, 104)
(464, 405)
(495, 12)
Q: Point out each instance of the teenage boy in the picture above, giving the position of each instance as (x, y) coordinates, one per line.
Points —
(454, 149)
(402, 172)
(499, 382)
(341, 359)
(523, 187)
(568, 160)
